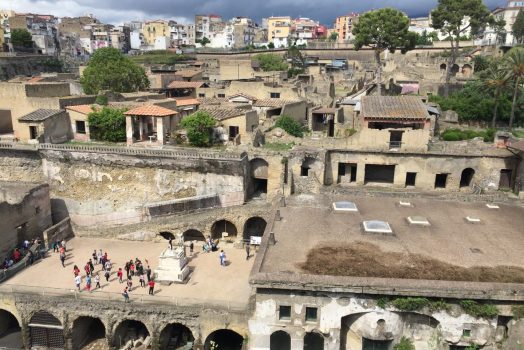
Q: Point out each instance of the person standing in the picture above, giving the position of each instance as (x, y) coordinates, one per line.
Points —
(126, 295)
(107, 274)
(148, 273)
(100, 256)
(88, 283)
(95, 259)
(222, 258)
(91, 267)
(55, 247)
(120, 274)
(142, 281)
(130, 284)
(76, 270)
(97, 281)
(191, 247)
(151, 287)
(64, 245)
(78, 282)
(62, 258)
(127, 267)
(170, 243)
(87, 269)
(248, 250)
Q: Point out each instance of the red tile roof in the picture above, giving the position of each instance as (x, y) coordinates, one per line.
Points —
(184, 101)
(188, 73)
(151, 111)
(84, 109)
(185, 84)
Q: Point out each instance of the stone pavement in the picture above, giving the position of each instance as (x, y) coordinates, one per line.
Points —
(209, 282)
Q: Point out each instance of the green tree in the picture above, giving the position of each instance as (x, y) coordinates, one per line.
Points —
(271, 46)
(514, 65)
(107, 124)
(199, 128)
(108, 69)
(204, 41)
(404, 344)
(384, 29)
(450, 17)
(290, 125)
(21, 37)
(496, 82)
(298, 63)
(518, 27)
(482, 63)
(333, 36)
(424, 39)
(271, 62)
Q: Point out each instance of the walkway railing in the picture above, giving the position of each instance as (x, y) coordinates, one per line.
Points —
(47, 292)
(37, 250)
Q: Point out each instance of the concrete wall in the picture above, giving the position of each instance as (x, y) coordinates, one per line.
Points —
(297, 111)
(74, 117)
(25, 211)
(412, 140)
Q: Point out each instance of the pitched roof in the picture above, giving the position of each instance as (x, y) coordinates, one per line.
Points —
(211, 100)
(151, 111)
(325, 111)
(240, 94)
(84, 109)
(185, 84)
(188, 73)
(518, 145)
(40, 115)
(222, 113)
(185, 101)
(393, 107)
(272, 102)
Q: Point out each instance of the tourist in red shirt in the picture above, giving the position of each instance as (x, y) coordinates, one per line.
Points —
(151, 287)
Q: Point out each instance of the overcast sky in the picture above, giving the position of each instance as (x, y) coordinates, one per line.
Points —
(119, 11)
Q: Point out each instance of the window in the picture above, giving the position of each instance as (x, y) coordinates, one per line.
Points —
(466, 332)
(441, 180)
(274, 94)
(221, 95)
(284, 312)
(33, 132)
(201, 95)
(411, 179)
(311, 314)
(80, 127)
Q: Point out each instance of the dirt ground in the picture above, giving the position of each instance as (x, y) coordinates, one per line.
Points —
(363, 259)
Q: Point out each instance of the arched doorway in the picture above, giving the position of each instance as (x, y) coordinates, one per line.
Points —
(129, 330)
(167, 235)
(223, 226)
(176, 336)
(455, 69)
(280, 340)
(443, 67)
(10, 332)
(467, 70)
(46, 331)
(224, 339)
(306, 166)
(259, 175)
(466, 177)
(193, 235)
(254, 226)
(313, 341)
(88, 331)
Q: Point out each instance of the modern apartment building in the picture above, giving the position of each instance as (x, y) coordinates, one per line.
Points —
(279, 30)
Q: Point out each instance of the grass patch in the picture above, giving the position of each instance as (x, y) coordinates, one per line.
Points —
(477, 310)
(518, 311)
(404, 344)
(278, 146)
(410, 304)
(459, 135)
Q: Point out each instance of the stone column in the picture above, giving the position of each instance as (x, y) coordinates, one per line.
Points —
(160, 130)
(333, 342)
(297, 343)
(361, 173)
(129, 130)
(141, 128)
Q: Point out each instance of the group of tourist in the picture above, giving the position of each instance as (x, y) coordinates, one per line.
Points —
(18, 253)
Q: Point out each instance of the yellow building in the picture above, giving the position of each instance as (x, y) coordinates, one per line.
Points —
(278, 30)
(153, 29)
(1, 38)
(343, 25)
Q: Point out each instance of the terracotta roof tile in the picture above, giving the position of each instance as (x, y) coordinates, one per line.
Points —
(188, 73)
(393, 107)
(273, 102)
(151, 111)
(184, 101)
(185, 84)
(222, 113)
(84, 109)
(240, 94)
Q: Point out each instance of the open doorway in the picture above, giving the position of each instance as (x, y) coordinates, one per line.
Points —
(505, 179)
(368, 344)
(441, 180)
(347, 172)
(6, 123)
(466, 177)
(411, 179)
(379, 173)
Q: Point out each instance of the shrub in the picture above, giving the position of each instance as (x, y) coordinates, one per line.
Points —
(477, 310)
(271, 62)
(199, 127)
(382, 302)
(290, 125)
(107, 124)
(102, 100)
(404, 344)
(438, 305)
(410, 304)
(458, 135)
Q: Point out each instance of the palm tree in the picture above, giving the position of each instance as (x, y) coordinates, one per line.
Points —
(496, 81)
(514, 63)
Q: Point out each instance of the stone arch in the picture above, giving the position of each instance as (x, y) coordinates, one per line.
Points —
(259, 170)
(254, 226)
(221, 226)
(86, 330)
(175, 336)
(313, 341)
(280, 340)
(466, 177)
(467, 70)
(129, 330)
(10, 330)
(455, 69)
(46, 330)
(443, 66)
(225, 339)
(167, 235)
(193, 235)
(306, 166)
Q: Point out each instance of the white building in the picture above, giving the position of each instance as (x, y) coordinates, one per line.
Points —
(162, 43)
(508, 14)
(136, 40)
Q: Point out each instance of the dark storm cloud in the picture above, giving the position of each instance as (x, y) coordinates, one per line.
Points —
(325, 11)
